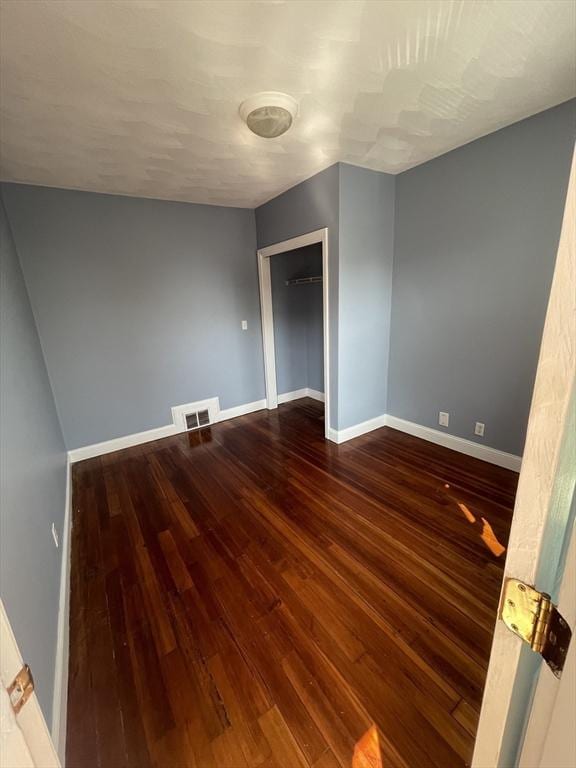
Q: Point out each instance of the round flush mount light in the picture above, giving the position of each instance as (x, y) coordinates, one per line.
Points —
(269, 114)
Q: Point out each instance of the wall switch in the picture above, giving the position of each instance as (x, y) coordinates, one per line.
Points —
(244, 325)
(479, 429)
(443, 419)
(55, 535)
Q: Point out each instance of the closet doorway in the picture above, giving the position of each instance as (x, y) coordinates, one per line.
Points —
(293, 276)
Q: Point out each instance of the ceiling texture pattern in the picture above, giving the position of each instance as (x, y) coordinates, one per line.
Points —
(141, 98)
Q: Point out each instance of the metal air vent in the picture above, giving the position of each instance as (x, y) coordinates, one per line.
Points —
(203, 418)
(197, 419)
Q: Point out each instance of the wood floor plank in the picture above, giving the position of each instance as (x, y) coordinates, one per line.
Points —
(328, 760)
(251, 595)
(137, 754)
(466, 716)
(338, 736)
(284, 747)
(153, 702)
(253, 743)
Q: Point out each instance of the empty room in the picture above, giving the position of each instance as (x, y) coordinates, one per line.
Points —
(287, 395)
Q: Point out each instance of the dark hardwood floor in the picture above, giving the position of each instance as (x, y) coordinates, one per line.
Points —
(251, 595)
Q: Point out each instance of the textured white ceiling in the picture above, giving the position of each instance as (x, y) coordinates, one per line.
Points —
(141, 98)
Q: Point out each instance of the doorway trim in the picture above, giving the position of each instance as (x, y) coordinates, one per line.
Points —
(542, 519)
(266, 310)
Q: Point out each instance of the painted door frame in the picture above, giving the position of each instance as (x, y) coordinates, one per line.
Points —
(25, 739)
(550, 737)
(542, 514)
(266, 310)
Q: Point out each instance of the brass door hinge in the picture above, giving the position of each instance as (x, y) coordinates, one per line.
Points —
(532, 616)
(20, 689)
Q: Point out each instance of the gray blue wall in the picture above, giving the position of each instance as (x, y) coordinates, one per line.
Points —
(476, 237)
(139, 305)
(357, 206)
(297, 309)
(311, 205)
(366, 253)
(32, 479)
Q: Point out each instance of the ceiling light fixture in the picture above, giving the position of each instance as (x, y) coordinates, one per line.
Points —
(269, 114)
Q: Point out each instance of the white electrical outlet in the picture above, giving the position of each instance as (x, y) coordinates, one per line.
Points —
(479, 429)
(443, 419)
(244, 325)
(55, 535)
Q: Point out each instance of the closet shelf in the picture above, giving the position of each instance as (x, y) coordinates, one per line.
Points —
(304, 280)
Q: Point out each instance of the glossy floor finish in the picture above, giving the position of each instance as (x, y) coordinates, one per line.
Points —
(251, 595)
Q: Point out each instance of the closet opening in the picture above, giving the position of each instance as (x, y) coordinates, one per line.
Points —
(294, 303)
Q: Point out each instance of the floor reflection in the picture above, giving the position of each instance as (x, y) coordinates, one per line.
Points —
(367, 750)
(486, 532)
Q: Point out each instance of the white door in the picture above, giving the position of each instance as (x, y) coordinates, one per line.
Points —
(24, 738)
(543, 514)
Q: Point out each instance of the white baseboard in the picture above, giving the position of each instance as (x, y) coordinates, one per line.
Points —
(286, 397)
(241, 410)
(108, 446)
(315, 395)
(479, 451)
(343, 435)
(138, 438)
(60, 698)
